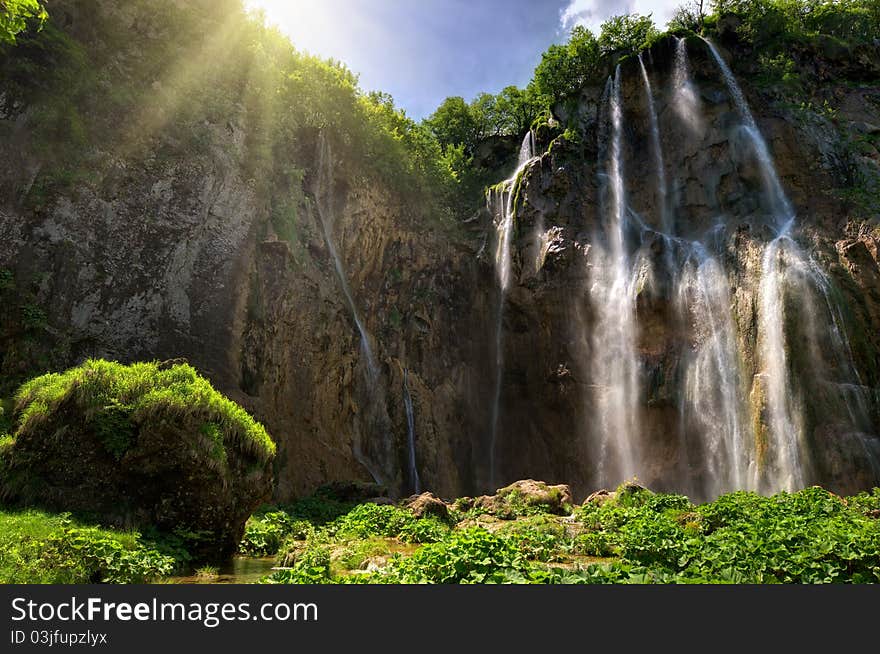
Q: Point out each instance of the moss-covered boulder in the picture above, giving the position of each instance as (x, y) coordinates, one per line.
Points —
(144, 445)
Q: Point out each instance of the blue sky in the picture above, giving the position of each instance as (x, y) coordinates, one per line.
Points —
(421, 51)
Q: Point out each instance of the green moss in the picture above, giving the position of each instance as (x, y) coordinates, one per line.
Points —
(114, 429)
(113, 397)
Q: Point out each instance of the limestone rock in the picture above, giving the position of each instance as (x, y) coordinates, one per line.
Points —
(427, 504)
(551, 498)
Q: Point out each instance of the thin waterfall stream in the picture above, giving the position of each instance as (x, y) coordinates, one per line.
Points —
(324, 208)
(414, 481)
(615, 365)
(501, 204)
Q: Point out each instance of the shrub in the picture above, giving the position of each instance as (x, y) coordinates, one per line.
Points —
(37, 547)
(264, 534)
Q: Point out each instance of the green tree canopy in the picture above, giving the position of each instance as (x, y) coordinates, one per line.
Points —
(564, 69)
(627, 34)
(455, 123)
(14, 17)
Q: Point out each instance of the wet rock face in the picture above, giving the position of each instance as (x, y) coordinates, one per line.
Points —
(714, 196)
(165, 257)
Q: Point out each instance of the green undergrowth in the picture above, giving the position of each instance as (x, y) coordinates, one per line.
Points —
(38, 547)
(811, 536)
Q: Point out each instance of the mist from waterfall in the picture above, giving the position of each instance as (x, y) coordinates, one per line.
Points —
(501, 204)
(614, 362)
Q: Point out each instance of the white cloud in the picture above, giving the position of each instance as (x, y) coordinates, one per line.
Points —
(592, 13)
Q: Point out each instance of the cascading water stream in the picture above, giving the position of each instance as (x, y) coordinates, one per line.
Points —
(323, 205)
(781, 209)
(324, 197)
(665, 225)
(713, 398)
(501, 204)
(415, 484)
(786, 267)
(614, 364)
(784, 459)
(684, 99)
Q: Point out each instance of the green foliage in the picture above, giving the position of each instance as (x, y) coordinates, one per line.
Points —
(806, 537)
(264, 533)
(565, 69)
(15, 15)
(114, 429)
(626, 34)
(689, 17)
(540, 538)
(454, 123)
(369, 519)
(115, 399)
(469, 556)
(311, 567)
(780, 70)
(851, 21)
(33, 317)
(37, 547)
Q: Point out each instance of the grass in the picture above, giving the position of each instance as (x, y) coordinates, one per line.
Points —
(117, 397)
(43, 548)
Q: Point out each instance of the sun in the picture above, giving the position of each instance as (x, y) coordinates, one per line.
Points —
(312, 26)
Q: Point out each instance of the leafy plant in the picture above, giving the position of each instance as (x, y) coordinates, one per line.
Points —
(37, 547)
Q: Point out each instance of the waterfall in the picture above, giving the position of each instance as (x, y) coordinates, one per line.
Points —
(324, 200)
(658, 150)
(713, 397)
(783, 461)
(501, 204)
(614, 363)
(787, 270)
(783, 449)
(781, 209)
(411, 435)
(324, 206)
(685, 102)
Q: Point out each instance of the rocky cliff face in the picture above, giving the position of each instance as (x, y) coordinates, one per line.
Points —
(718, 214)
(177, 255)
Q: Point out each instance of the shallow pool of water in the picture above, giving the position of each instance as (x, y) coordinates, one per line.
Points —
(239, 570)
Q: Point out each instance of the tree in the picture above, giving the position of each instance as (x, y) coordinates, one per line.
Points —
(517, 109)
(627, 34)
(14, 17)
(454, 123)
(564, 69)
(689, 16)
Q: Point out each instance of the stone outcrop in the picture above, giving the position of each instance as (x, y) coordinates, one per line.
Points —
(426, 504)
(136, 460)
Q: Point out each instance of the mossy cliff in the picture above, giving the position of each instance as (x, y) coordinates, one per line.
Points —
(162, 196)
